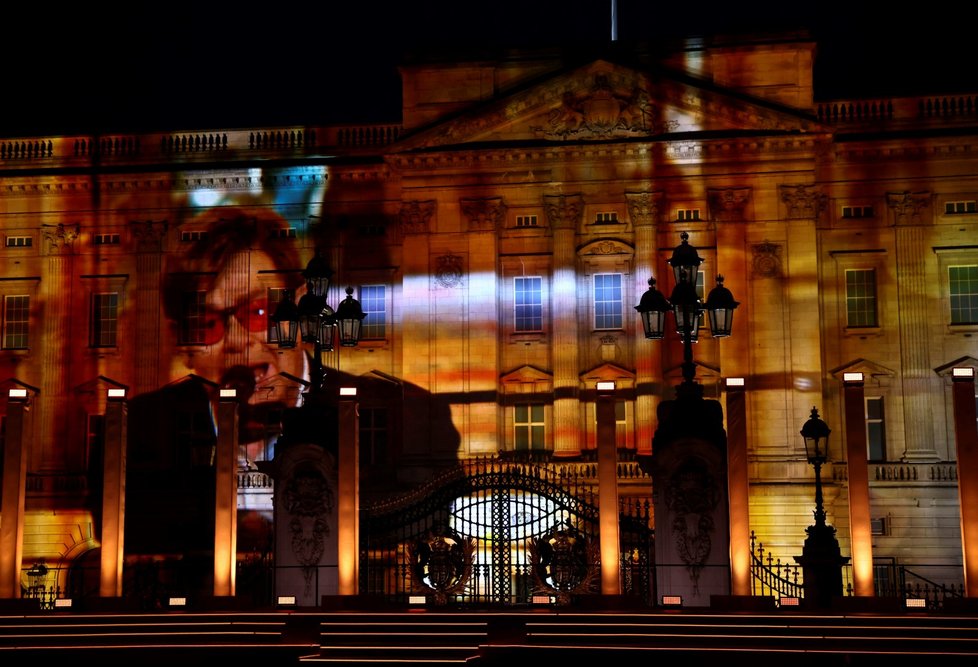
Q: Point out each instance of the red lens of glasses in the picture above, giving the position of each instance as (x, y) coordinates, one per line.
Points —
(253, 315)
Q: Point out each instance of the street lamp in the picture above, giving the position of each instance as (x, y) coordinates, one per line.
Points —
(686, 306)
(316, 320)
(821, 558)
(816, 434)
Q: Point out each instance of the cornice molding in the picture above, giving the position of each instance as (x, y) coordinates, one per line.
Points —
(677, 151)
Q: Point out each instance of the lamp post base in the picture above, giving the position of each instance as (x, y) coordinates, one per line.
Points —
(821, 563)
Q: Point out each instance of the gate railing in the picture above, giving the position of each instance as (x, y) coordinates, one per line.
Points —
(772, 577)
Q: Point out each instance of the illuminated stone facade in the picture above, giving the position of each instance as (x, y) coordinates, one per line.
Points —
(482, 229)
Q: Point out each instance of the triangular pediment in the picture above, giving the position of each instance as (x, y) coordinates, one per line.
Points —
(872, 372)
(966, 361)
(604, 101)
(526, 375)
(607, 373)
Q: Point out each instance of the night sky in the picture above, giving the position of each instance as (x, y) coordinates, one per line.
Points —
(210, 65)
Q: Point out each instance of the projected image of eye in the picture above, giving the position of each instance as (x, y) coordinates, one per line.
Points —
(528, 515)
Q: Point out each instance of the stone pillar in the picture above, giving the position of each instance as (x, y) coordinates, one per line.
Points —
(860, 532)
(348, 487)
(564, 214)
(916, 377)
(479, 322)
(114, 494)
(149, 246)
(689, 480)
(49, 450)
(226, 495)
(643, 209)
(800, 347)
(608, 490)
(966, 442)
(414, 312)
(738, 488)
(15, 453)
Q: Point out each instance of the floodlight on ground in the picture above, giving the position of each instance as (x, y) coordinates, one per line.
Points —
(789, 602)
(916, 603)
(672, 600)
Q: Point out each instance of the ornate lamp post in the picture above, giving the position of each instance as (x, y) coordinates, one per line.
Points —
(316, 320)
(821, 558)
(689, 449)
(687, 308)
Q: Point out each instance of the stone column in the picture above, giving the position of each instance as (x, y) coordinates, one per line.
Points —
(800, 347)
(149, 254)
(564, 214)
(49, 451)
(416, 330)
(114, 494)
(643, 209)
(608, 490)
(738, 488)
(966, 442)
(226, 495)
(916, 376)
(15, 452)
(484, 219)
(348, 487)
(860, 532)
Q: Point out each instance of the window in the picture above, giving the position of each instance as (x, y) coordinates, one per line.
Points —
(529, 427)
(19, 241)
(193, 318)
(528, 303)
(959, 207)
(687, 214)
(875, 429)
(608, 300)
(16, 321)
(284, 233)
(861, 298)
(526, 221)
(373, 300)
(105, 319)
(963, 289)
(608, 217)
(192, 236)
(105, 239)
(857, 212)
(371, 230)
(274, 297)
(373, 436)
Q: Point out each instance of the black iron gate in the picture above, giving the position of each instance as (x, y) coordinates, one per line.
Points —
(493, 532)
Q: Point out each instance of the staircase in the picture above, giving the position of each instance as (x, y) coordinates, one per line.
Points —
(150, 639)
(549, 637)
(414, 638)
(484, 638)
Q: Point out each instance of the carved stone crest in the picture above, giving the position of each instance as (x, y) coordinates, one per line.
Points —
(604, 112)
(448, 270)
(767, 260)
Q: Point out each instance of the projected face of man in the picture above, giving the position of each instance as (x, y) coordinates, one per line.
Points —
(243, 355)
(242, 260)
